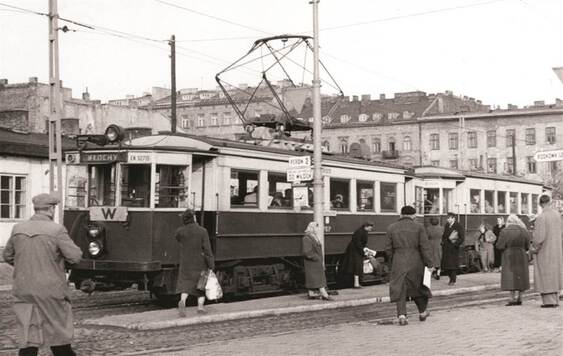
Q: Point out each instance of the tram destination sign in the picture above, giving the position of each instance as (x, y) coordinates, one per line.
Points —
(103, 157)
(546, 156)
(301, 161)
(299, 174)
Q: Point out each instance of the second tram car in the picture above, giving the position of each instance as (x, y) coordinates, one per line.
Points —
(124, 200)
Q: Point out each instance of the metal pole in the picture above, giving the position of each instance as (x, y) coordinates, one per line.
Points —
(317, 126)
(54, 129)
(173, 121)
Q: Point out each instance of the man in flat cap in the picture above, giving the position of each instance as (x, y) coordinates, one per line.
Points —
(409, 252)
(38, 249)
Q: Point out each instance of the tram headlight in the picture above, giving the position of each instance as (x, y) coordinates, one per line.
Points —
(114, 133)
(96, 235)
(94, 248)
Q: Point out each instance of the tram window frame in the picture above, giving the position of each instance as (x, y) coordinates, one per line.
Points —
(475, 204)
(419, 200)
(524, 203)
(490, 200)
(138, 193)
(77, 193)
(430, 206)
(383, 195)
(515, 196)
(240, 200)
(340, 187)
(501, 202)
(273, 190)
(93, 170)
(535, 203)
(363, 200)
(179, 181)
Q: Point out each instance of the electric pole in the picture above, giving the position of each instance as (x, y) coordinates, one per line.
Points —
(317, 127)
(54, 129)
(173, 121)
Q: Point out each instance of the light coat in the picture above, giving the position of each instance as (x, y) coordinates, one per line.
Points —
(38, 249)
(408, 249)
(435, 233)
(514, 241)
(313, 262)
(195, 256)
(548, 264)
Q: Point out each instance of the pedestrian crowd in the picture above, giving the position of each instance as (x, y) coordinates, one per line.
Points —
(39, 248)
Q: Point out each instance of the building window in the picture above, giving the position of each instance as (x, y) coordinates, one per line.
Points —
(435, 163)
(530, 137)
(491, 138)
(363, 118)
(453, 141)
(227, 118)
(434, 141)
(376, 145)
(214, 119)
(472, 139)
(491, 165)
(185, 122)
(550, 135)
(407, 143)
(200, 120)
(12, 196)
(510, 136)
(453, 163)
(531, 163)
(509, 165)
(391, 144)
(473, 163)
(343, 146)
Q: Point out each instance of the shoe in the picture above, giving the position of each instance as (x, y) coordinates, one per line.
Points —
(328, 298)
(423, 316)
(451, 283)
(182, 308)
(549, 305)
(201, 311)
(332, 292)
(403, 320)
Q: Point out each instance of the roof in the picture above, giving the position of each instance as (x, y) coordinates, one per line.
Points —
(440, 172)
(28, 144)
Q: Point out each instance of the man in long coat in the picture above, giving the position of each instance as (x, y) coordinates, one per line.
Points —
(409, 251)
(548, 264)
(38, 249)
(452, 242)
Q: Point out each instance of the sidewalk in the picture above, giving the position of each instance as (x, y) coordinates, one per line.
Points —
(160, 319)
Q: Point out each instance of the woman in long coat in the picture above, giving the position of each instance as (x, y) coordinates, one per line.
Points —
(435, 232)
(195, 256)
(353, 261)
(315, 279)
(452, 242)
(484, 244)
(514, 241)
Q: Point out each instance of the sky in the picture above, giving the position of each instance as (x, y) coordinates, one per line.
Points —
(498, 51)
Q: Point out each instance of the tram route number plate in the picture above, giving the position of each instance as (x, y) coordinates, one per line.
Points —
(108, 213)
(299, 174)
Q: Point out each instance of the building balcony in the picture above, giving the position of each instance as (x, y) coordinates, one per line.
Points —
(394, 154)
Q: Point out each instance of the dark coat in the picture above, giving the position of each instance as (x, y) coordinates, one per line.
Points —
(313, 262)
(408, 249)
(38, 249)
(353, 262)
(451, 250)
(195, 256)
(435, 233)
(514, 241)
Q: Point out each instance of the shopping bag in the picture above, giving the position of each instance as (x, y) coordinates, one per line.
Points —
(202, 281)
(213, 289)
(427, 277)
(368, 268)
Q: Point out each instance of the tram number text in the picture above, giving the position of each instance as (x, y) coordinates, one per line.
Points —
(108, 213)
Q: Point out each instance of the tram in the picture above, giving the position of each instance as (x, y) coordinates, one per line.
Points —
(124, 199)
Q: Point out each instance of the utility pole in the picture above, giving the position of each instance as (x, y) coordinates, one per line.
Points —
(54, 129)
(514, 153)
(173, 121)
(317, 127)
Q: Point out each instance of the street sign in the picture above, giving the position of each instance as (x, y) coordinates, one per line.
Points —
(299, 174)
(547, 156)
(301, 161)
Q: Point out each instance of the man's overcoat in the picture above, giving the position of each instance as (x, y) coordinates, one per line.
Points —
(409, 251)
(38, 249)
(451, 250)
(548, 264)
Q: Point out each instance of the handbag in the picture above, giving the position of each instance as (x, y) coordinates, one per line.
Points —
(213, 289)
(454, 236)
(202, 280)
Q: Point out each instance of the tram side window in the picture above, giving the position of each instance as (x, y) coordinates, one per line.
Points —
(535, 203)
(419, 200)
(364, 196)
(280, 192)
(447, 200)
(339, 194)
(101, 189)
(475, 200)
(76, 186)
(388, 196)
(489, 202)
(525, 198)
(135, 185)
(171, 186)
(501, 201)
(431, 201)
(514, 203)
(244, 188)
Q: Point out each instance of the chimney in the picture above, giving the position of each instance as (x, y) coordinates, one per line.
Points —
(33, 80)
(86, 95)
(381, 96)
(3, 81)
(366, 97)
(354, 98)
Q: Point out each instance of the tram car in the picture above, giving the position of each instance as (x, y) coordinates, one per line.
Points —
(124, 199)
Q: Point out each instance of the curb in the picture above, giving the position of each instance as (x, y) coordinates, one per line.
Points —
(5, 287)
(248, 314)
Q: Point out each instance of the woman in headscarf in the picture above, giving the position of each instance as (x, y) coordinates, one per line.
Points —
(315, 279)
(514, 241)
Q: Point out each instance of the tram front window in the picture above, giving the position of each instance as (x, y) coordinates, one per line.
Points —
(135, 185)
(171, 186)
(76, 186)
(101, 187)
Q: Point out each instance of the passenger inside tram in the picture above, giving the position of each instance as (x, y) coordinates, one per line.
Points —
(338, 202)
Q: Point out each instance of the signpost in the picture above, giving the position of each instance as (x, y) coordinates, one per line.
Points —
(548, 156)
(299, 169)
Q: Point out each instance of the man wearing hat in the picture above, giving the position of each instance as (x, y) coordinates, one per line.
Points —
(38, 249)
(409, 251)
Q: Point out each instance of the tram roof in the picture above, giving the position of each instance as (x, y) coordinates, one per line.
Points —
(448, 173)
